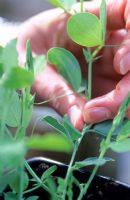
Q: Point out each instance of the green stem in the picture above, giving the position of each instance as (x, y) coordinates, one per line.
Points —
(20, 193)
(38, 180)
(107, 142)
(69, 171)
(85, 189)
(81, 5)
(32, 189)
(90, 79)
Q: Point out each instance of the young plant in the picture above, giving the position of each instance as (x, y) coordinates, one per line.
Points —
(88, 31)
(16, 105)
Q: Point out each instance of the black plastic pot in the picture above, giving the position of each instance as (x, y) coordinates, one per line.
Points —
(102, 188)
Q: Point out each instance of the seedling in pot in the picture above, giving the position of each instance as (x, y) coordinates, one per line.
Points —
(89, 31)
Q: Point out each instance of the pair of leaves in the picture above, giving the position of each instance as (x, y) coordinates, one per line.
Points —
(64, 127)
(64, 4)
(86, 29)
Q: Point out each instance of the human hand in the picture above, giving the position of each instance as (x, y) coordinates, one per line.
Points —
(111, 74)
(47, 30)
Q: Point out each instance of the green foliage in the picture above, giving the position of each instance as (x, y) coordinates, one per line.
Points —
(50, 142)
(14, 183)
(103, 19)
(39, 64)
(16, 105)
(48, 172)
(103, 128)
(64, 4)
(11, 153)
(10, 196)
(85, 29)
(67, 65)
(64, 127)
(17, 78)
(33, 198)
(121, 146)
(125, 132)
(9, 55)
(91, 161)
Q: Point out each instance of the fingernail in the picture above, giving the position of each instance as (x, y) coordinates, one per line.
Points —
(125, 64)
(94, 115)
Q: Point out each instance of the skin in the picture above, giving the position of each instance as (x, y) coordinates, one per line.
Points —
(111, 73)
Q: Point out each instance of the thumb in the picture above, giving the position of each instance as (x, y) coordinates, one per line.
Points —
(106, 107)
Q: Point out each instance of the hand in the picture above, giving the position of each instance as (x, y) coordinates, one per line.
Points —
(109, 79)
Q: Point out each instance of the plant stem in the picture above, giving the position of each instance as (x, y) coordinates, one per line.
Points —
(69, 171)
(106, 146)
(84, 191)
(90, 79)
(38, 180)
(81, 5)
(32, 189)
(20, 193)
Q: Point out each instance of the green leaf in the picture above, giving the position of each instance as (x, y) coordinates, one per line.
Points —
(11, 153)
(122, 110)
(48, 172)
(49, 142)
(103, 128)
(13, 119)
(67, 65)
(39, 63)
(14, 184)
(103, 18)
(73, 132)
(29, 58)
(125, 132)
(85, 29)
(17, 78)
(10, 196)
(54, 123)
(121, 146)
(10, 55)
(91, 161)
(61, 185)
(64, 4)
(33, 198)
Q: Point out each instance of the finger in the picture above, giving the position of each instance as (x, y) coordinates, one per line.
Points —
(106, 107)
(115, 14)
(122, 56)
(49, 85)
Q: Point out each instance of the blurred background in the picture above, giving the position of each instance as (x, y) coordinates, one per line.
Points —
(18, 11)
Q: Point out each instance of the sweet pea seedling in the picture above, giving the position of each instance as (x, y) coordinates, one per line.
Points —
(89, 31)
